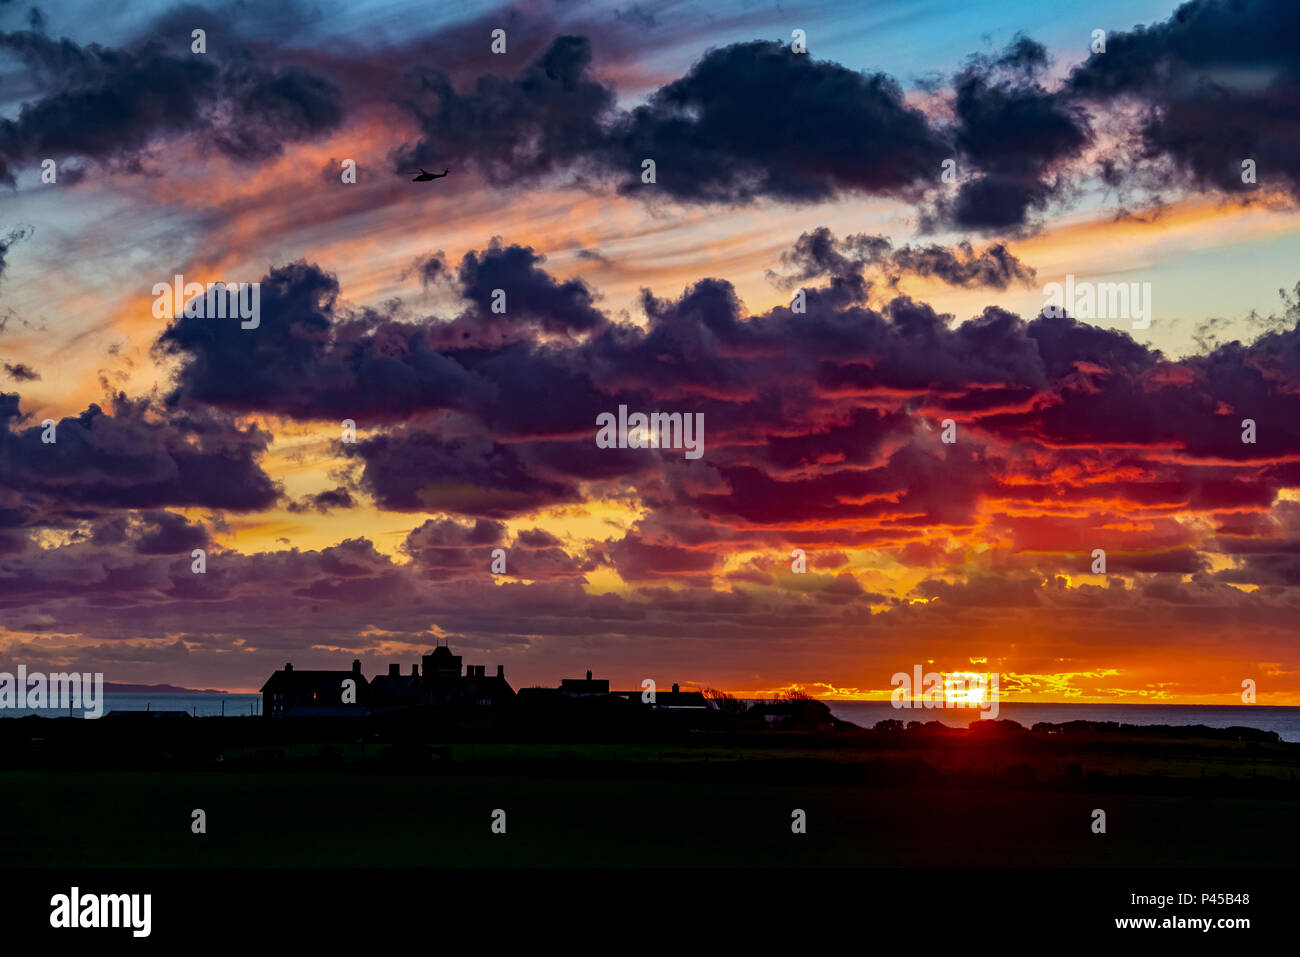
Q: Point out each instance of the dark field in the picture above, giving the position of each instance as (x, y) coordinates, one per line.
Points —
(870, 801)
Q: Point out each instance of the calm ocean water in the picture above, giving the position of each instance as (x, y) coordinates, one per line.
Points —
(1285, 721)
(199, 705)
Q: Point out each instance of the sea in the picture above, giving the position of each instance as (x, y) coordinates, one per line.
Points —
(206, 705)
(1284, 720)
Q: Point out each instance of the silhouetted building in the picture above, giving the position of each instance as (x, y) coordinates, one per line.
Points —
(441, 685)
(396, 690)
(675, 700)
(287, 690)
(484, 690)
(441, 663)
(446, 686)
(581, 688)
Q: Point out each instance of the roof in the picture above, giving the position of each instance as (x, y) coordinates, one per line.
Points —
(585, 685)
(680, 699)
(487, 681)
(399, 683)
(310, 679)
(668, 699)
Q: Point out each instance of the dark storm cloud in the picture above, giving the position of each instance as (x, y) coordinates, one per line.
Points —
(752, 120)
(308, 359)
(913, 487)
(326, 501)
(985, 591)
(416, 470)
(102, 103)
(269, 109)
(438, 534)
(134, 457)
(548, 389)
(748, 120)
(1109, 390)
(857, 441)
(1012, 131)
(640, 560)
(548, 115)
(1269, 569)
(1055, 383)
(995, 267)
(1179, 561)
(1265, 547)
(1219, 82)
(823, 420)
(819, 253)
(745, 122)
(443, 550)
(111, 104)
(532, 294)
(167, 533)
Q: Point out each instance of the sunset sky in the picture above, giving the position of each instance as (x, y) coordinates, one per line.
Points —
(775, 171)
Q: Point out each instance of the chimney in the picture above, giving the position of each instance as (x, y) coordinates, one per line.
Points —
(356, 666)
(588, 674)
(501, 671)
(675, 688)
(480, 671)
(288, 666)
(415, 671)
(394, 671)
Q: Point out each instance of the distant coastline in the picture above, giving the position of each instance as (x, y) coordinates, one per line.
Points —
(113, 687)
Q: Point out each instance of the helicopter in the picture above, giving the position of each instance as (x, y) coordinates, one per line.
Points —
(425, 175)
